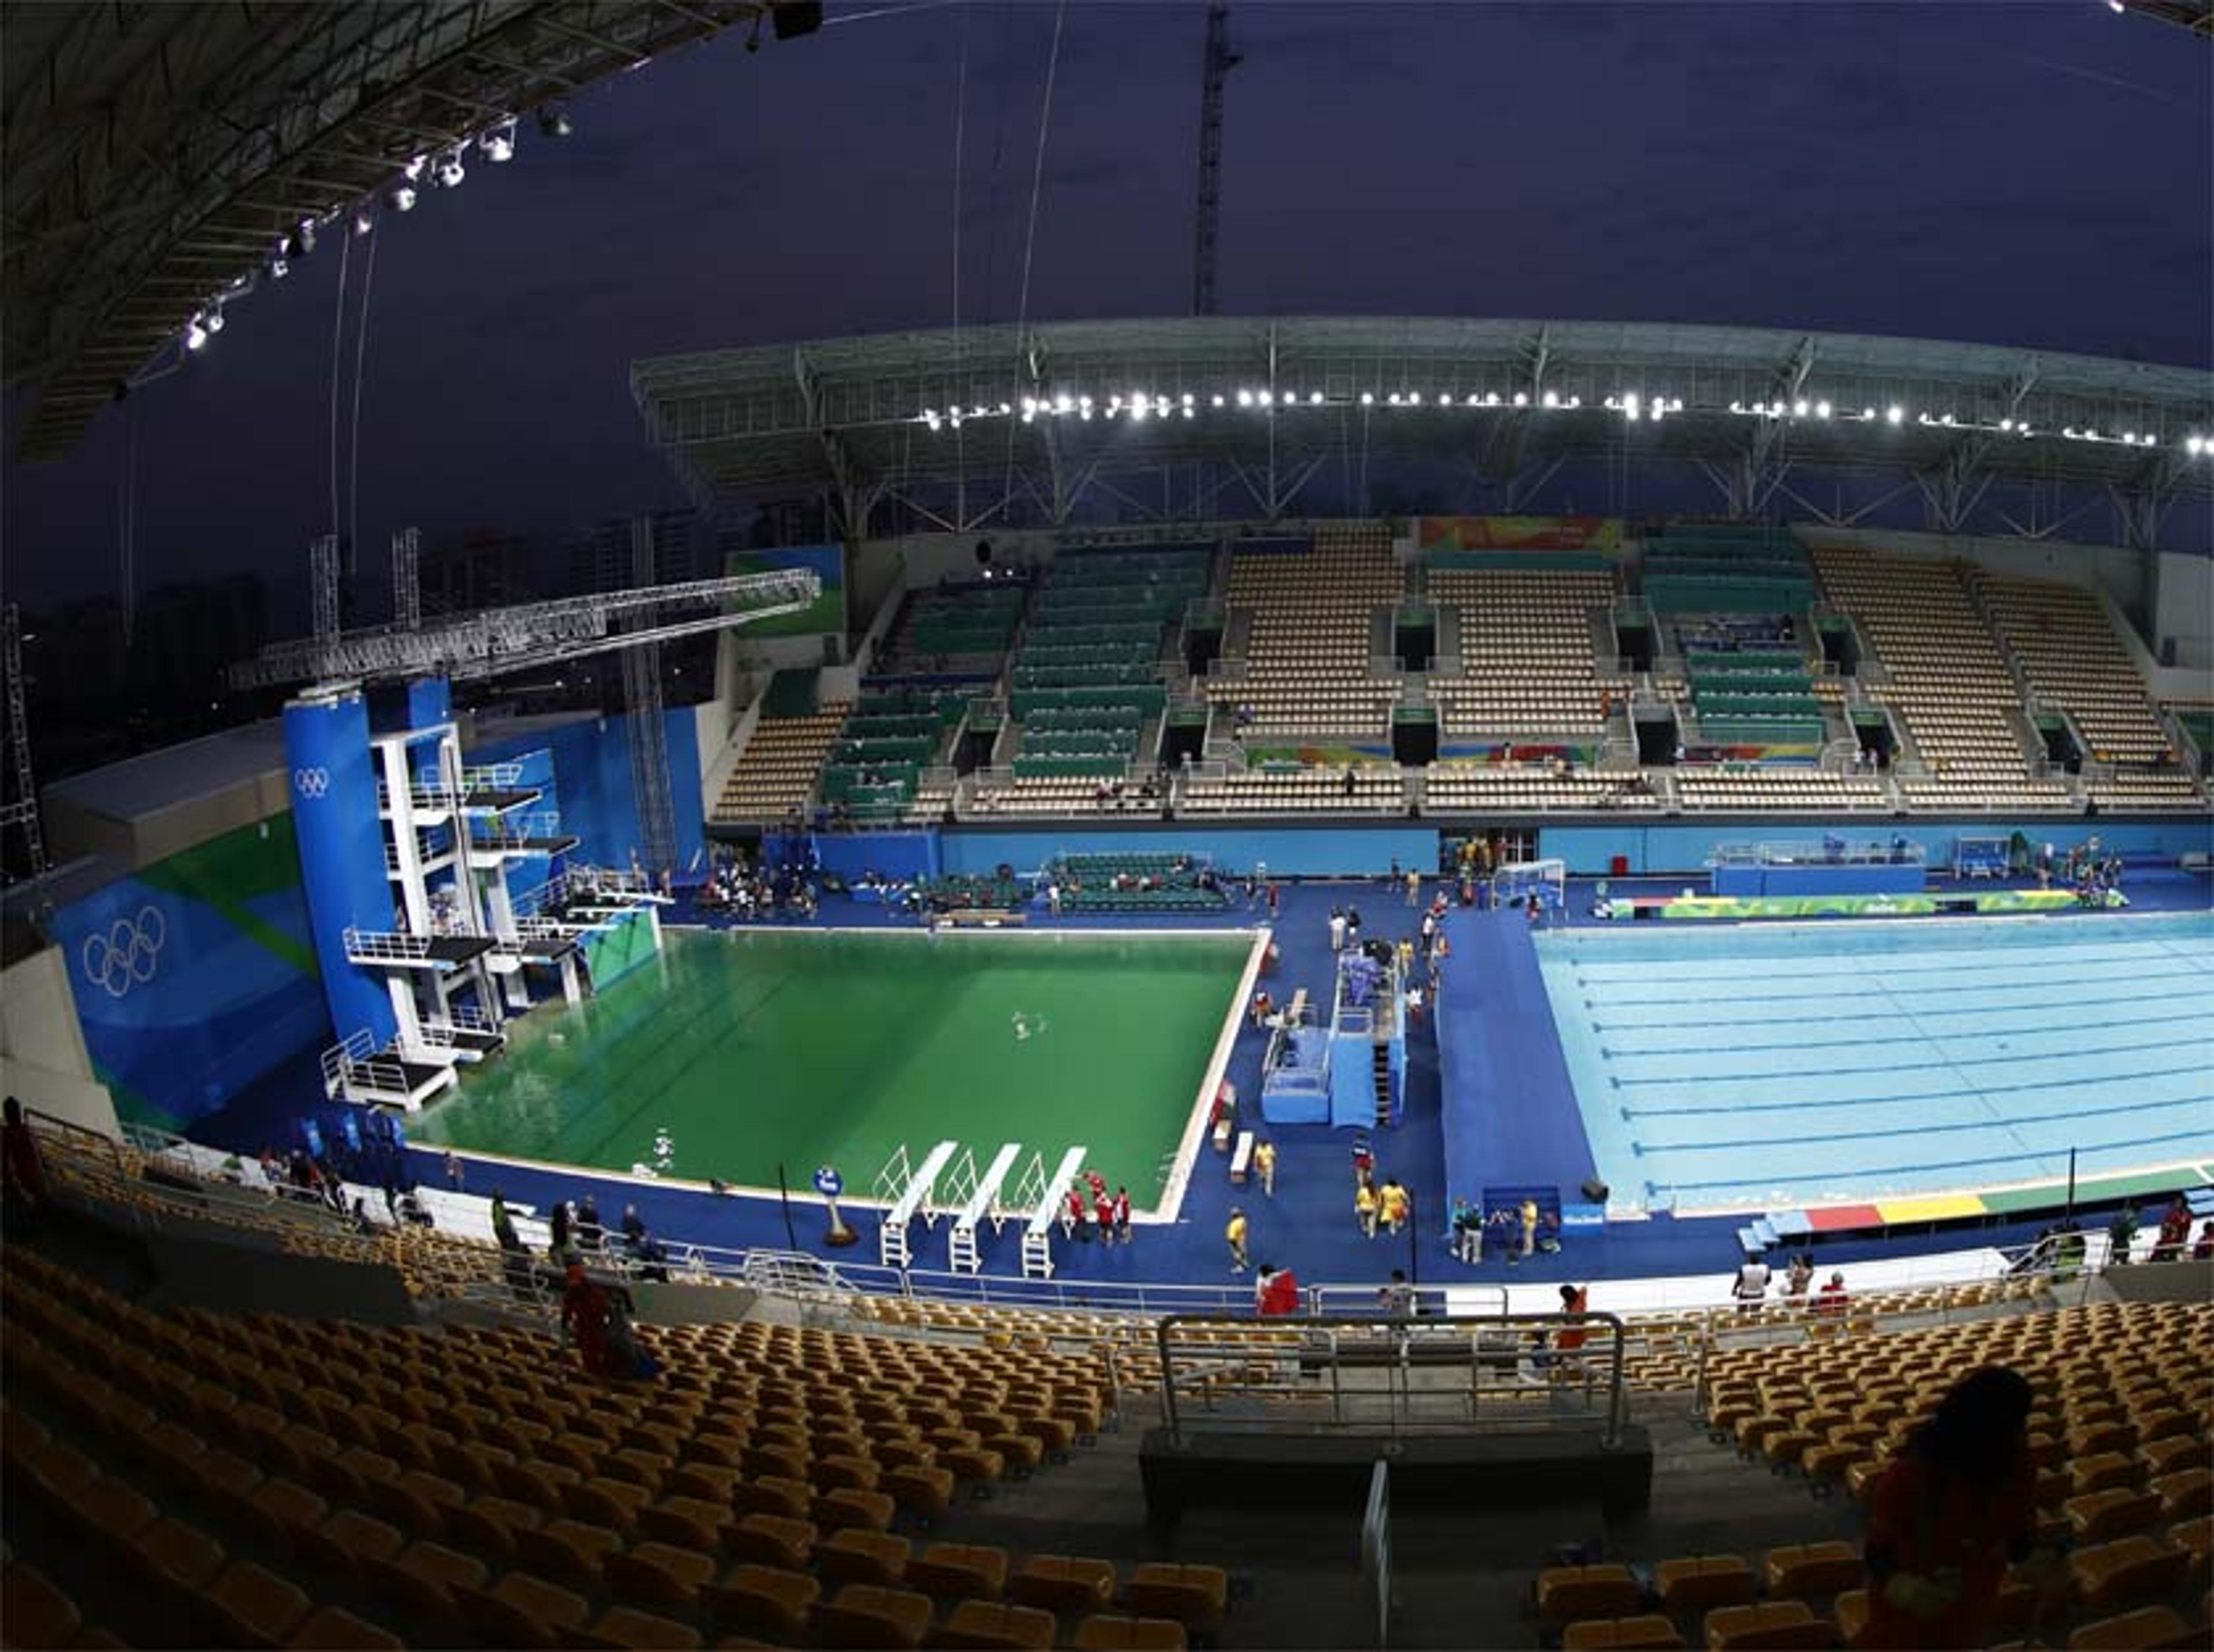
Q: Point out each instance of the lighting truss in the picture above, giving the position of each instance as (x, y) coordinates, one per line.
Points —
(502, 640)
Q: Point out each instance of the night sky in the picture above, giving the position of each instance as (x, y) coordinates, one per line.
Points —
(2016, 174)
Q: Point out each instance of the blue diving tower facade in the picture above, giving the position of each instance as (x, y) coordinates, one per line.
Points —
(1352, 1072)
(430, 932)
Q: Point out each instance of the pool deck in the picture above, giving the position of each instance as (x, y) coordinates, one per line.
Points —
(1309, 1226)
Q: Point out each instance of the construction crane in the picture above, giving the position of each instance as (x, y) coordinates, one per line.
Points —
(1215, 68)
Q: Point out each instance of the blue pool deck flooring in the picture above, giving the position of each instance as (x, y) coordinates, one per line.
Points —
(1308, 1227)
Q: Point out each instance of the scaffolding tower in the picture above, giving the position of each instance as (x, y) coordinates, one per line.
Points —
(20, 809)
(1215, 69)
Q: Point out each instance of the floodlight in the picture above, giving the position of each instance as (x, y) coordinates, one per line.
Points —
(1799, 408)
(403, 198)
(1368, 398)
(1521, 398)
(553, 122)
(413, 170)
(450, 172)
(307, 236)
(212, 317)
(1632, 409)
(1893, 413)
(363, 223)
(196, 335)
(1492, 400)
(1267, 398)
(1314, 398)
(1215, 400)
(1245, 397)
(1552, 399)
(1821, 409)
(1413, 399)
(2193, 446)
(499, 144)
(1062, 404)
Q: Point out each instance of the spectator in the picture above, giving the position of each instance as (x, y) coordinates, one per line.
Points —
(2203, 1250)
(590, 1230)
(1121, 1215)
(1801, 1276)
(454, 1172)
(2174, 1233)
(557, 1229)
(1467, 1232)
(1397, 1298)
(23, 1171)
(1571, 1337)
(634, 1225)
(584, 1310)
(1278, 1295)
(1751, 1286)
(1833, 1297)
(503, 1224)
(626, 1356)
(2121, 1234)
(1955, 1507)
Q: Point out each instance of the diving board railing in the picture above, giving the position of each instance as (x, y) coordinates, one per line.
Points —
(983, 1200)
(1038, 1232)
(919, 1188)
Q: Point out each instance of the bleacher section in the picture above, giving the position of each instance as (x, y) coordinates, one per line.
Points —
(1514, 788)
(1808, 790)
(2060, 636)
(1761, 694)
(954, 630)
(1708, 569)
(1135, 883)
(1312, 607)
(1946, 681)
(1525, 646)
(1366, 789)
(778, 770)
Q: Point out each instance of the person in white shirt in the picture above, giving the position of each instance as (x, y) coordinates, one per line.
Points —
(1751, 1287)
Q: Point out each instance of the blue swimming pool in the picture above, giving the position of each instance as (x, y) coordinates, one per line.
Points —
(1778, 1066)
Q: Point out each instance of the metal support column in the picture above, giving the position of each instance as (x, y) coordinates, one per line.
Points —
(649, 729)
(22, 812)
(407, 583)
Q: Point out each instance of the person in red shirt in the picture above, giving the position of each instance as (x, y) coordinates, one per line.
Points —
(1076, 1215)
(1954, 1508)
(1121, 1213)
(1103, 1210)
(1279, 1294)
(1833, 1297)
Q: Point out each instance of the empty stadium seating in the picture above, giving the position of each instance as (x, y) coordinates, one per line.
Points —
(1312, 608)
(1366, 789)
(1524, 639)
(778, 770)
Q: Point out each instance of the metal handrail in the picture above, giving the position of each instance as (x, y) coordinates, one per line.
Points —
(1329, 1340)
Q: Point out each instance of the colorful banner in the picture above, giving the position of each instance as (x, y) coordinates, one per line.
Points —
(1518, 532)
(196, 975)
(1752, 906)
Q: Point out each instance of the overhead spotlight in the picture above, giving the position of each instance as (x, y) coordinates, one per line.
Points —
(1575, 401)
(1368, 398)
(1189, 398)
(1029, 406)
(450, 171)
(1492, 400)
(2006, 424)
(1187, 410)
(1799, 408)
(1245, 397)
(1737, 408)
(1868, 412)
(2022, 430)
(1521, 398)
(1894, 414)
(1314, 398)
(2068, 431)
(2117, 7)
(196, 333)
(1005, 410)
(1062, 404)
(1552, 399)
(2194, 446)
(1140, 409)
(1947, 421)
(1084, 409)
(307, 236)
(212, 317)
(1267, 398)
(1413, 399)
(553, 122)
(1215, 400)
(499, 144)
(1632, 407)
(1395, 398)
(279, 269)
(363, 223)
(403, 198)
(413, 170)
(1821, 409)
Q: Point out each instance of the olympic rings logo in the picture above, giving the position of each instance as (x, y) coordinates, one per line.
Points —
(126, 953)
(311, 783)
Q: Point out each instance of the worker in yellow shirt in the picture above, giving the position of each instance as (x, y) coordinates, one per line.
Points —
(1364, 1209)
(1395, 1204)
(1264, 1161)
(1235, 1233)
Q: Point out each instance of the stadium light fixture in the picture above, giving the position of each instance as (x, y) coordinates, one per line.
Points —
(450, 172)
(1947, 421)
(2007, 424)
(1821, 409)
(1005, 410)
(1521, 398)
(1245, 397)
(1413, 399)
(1062, 404)
(1314, 398)
(1395, 398)
(1267, 398)
(1187, 412)
(1215, 401)
(499, 144)
(1633, 407)
(1893, 413)
(363, 223)
(403, 198)
(196, 334)
(1799, 408)
(1140, 410)
(1575, 401)
(1552, 399)
(1368, 398)
(1188, 399)
(2194, 446)
(553, 122)
(307, 236)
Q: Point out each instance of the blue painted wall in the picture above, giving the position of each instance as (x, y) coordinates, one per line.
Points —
(590, 769)
(905, 856)
(334, 817)
(1322, 851)
(1589, 850)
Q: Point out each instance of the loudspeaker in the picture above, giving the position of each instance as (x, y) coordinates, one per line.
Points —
(1594, 1191)
(983, 553)
(794, 18)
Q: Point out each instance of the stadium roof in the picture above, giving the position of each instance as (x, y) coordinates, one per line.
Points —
(999, 417)
(155, 155)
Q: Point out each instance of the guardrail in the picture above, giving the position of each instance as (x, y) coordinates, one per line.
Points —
(1408, 1374)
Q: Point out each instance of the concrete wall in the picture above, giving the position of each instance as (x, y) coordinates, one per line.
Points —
(74, 832)
(43, 1060)
(2183, 613)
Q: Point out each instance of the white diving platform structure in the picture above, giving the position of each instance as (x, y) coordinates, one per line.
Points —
(983, 1200)
(910, 1192)
(1038, 1232)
